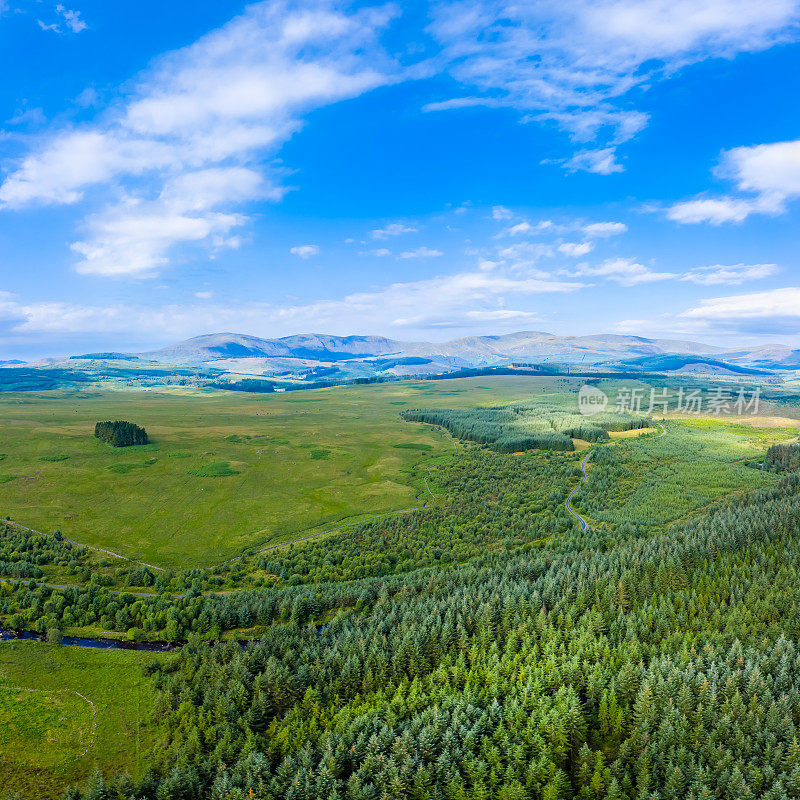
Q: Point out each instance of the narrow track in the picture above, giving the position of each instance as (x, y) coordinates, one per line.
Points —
(568, 501)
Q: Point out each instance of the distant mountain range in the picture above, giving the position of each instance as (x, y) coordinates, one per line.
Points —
(291, 362)
(238, 351)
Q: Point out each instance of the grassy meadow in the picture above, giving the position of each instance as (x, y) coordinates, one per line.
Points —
(223, 471)
(50, 737)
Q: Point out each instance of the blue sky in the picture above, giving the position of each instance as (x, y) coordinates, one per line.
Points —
(421, 171)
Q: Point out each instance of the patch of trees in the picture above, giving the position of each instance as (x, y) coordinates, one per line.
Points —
(24, 552)
(509, 429)
(589, 433)
(120, 433)
(245, 385)
(783, 457)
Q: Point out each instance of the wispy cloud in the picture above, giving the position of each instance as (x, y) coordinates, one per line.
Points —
(226, 102)
(304, 250)
(734, 275)
(575, 249)
(393, 229)
(421, 252)
(604, 229)
(72, 19)
(576, 63)
(767, 176)
(473, 297)
(776, 304)
(625, 271)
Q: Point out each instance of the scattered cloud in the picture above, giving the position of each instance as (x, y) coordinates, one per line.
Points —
(577, 63)
(226, 102)
(421, 252)
(204, 295)
(525, 227)
(525, 254)
(575, 249)
(394, 229)
(625, 271)
(72, 19)
(474, 297)
(604, 229)
(767, 176)
(775, 304)
(132, 238)
(733, 275)
(304, 250)
(380, 252)
(602, 161)
(28, 116)
(68, 18)
(501, 212)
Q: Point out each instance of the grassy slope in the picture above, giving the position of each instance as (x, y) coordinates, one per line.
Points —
(314, 458)
(43, 732)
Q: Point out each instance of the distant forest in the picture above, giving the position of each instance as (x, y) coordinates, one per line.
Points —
(512, 429)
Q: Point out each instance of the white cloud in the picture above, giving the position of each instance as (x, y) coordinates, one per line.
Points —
(602, 161)
(394, 229)
(774, 304)
(379, 252)
(72, 19)
(524, 254)
(421, 252)
(575, 249)
(520, 228)
(468, 319)
(576, 62)
(472, 296)
(729, 275)
(625, 271)
(501, 212)
(204, 295)
(767, 176)
(717, 210)
(603, 229)
(525, 227)
(304, 250)
(226, 101)
(133, 238)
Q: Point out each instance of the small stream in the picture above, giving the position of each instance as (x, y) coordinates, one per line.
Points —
(7, 635)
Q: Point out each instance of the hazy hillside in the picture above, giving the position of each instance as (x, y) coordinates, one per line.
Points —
(472, 350)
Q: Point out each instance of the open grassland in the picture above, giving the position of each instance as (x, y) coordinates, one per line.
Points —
(656, 479)
(223, 472)
(66, 712)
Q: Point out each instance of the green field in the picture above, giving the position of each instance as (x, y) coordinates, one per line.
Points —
(223, 471)
(49, 735)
